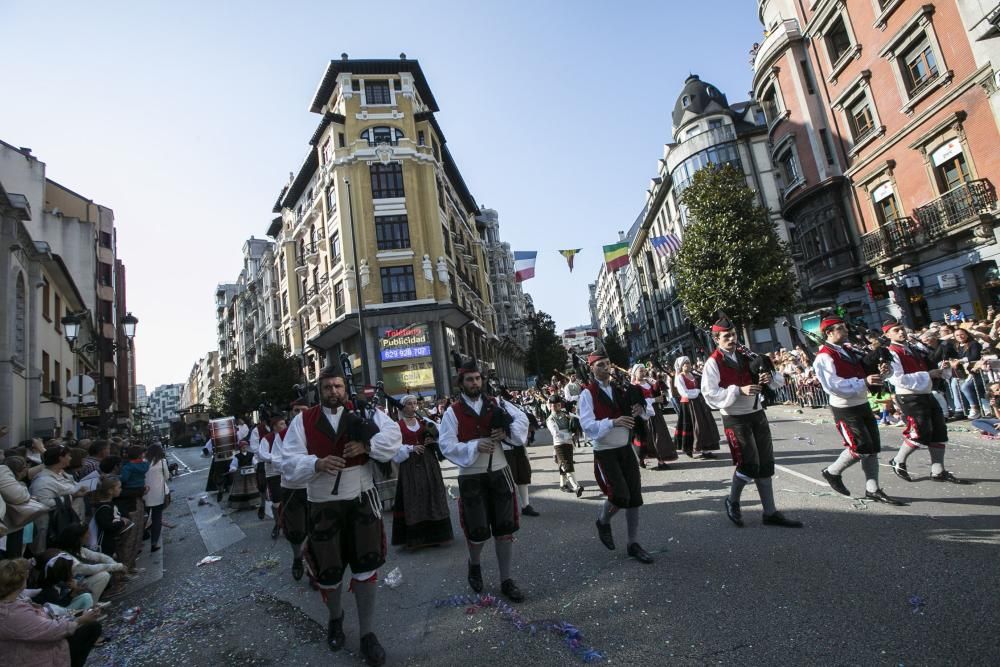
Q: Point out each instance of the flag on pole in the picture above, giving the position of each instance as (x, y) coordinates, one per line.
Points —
(665, 246)
(524, 265)
(616, 255)
(569, 254)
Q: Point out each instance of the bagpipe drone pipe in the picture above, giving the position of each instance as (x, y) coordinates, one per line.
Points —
(759, 364)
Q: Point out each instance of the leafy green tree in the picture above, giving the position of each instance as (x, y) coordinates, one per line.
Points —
(273, 376)
(731, 257)
(545, 352)
(616, 350)
(235, 396)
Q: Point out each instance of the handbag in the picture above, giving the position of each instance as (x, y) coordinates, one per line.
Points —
(18, 516)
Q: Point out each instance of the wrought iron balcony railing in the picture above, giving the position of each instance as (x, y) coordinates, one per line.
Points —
(892, 238)
(955, 208)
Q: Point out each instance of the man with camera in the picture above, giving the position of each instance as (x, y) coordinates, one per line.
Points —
(472, 434)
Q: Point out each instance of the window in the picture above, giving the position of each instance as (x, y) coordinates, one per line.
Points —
(338, 298)
(769, 102)
(421, 141)
(331, 200)
(392, 232)
(104, 274)
(887, 210)
(58, 313)
(919, 66)
(382, 135)
(952, 172)
(824, 138)
(56, 374)
(398, 284)
(105, 239)
(715, 123)
(335, 246)
(19, 319)
(685, 101)
(46, 378)
(788, 166)
(341, 139)
(387, 180)
(284, 303)
(377, 92)
(838, 41)
(46, 297)
(860, 116)
(326, 152)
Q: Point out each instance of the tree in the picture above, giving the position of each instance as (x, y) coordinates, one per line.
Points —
(545, 352)
(616, 350)
(731, 257)
(235, 396)
(273, 376)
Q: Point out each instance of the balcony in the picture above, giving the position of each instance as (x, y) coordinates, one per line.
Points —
(776, 41)
(892, 239)
(956, 209)
(699, 142)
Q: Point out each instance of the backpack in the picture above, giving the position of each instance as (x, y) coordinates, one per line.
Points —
(61, 517)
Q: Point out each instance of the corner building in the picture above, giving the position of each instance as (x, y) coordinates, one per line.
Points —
(379, 184)
(879, 112)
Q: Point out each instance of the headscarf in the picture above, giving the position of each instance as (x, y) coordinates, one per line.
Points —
(679, 363)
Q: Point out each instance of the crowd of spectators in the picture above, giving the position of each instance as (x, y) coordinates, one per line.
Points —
(72, 522)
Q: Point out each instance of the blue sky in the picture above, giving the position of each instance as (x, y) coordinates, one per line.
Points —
(186, 117)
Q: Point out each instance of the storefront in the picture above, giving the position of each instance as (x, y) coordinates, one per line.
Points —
(406, 354)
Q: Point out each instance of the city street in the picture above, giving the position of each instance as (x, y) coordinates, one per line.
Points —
(861, 584)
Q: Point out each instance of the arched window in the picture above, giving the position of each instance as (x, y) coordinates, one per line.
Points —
(382, 134)
(19, 318)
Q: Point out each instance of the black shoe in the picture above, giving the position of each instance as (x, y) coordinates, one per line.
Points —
(946, 476)
(638, 553)
(734, 513)
(899, 469)
(836, 482)
(153, 550)
(528, 510)
(880, 497)
(579, 491)
(218, 497)
(564, 488)
(708, 455)
(275, 532)
(372, 651)
(260, 512)
(606, 536)
(511, 591)
(297, 569)
(642, 463)
(476, 577)
(779, 519)
(335, 633)
(661, 466)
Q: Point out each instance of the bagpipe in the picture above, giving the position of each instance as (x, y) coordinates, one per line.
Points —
(362, 428)
(494, 394)
(759, 364)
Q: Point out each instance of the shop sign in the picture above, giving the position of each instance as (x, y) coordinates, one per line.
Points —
(883, 191)
(404, 343)
(87, 411)
(948, 280)
(912, 281)
(946, 152)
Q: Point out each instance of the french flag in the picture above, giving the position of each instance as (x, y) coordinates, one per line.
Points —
(524, 265)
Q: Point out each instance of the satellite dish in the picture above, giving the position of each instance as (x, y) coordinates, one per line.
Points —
(80, 385)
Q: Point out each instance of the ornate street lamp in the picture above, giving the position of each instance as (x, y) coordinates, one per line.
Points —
(71, 328)
(128, 323)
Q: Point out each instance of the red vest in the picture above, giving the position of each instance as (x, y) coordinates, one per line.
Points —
(604, 407)
(843, 366)
(470, 425)
(321, 441)
(646, 392)
(413, 437)
(729, 376)
(911, 362)
(690, 384)
(261, 431)
(269, 438)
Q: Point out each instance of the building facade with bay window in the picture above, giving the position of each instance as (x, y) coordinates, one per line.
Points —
(379, 208)
(887, 108)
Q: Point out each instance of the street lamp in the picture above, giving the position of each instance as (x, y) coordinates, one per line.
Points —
(357, 286)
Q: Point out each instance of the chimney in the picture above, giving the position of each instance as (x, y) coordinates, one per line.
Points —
(621, 235)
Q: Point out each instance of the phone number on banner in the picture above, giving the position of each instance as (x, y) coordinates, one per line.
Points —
(393, 354)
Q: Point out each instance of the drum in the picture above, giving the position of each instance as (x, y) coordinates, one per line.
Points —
(223, 434)
(244, 494)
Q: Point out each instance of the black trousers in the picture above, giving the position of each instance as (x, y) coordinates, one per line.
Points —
(858, 428)
(81, 642)
(750, 445)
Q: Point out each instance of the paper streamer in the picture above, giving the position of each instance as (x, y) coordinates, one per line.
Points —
(569, 633)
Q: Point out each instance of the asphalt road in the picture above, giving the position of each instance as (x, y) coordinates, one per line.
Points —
(860, 584)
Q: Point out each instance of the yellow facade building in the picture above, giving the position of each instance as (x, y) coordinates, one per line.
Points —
(378, 159)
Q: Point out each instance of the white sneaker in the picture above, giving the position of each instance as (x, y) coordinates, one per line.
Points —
(974, 414)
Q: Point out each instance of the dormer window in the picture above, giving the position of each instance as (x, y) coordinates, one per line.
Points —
(685, 101)
(377, 92)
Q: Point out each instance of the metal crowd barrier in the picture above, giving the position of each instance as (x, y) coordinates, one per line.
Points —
(804, 393)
